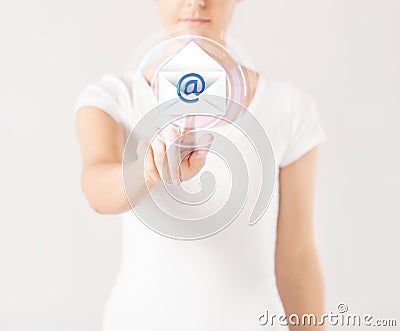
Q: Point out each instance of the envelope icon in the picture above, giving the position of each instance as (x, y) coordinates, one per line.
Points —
(192, 74)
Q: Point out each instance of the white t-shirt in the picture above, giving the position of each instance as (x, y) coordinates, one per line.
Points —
(223, 282)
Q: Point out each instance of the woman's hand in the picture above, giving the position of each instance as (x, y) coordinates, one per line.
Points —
(167, 162)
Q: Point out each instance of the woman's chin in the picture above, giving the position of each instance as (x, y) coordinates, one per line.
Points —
(195, 29)
(202, 30)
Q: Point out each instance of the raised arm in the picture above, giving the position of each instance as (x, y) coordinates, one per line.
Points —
(298, 273)
(102, 143)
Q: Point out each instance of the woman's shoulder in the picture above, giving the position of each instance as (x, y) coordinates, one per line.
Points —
(112, 85)
(111, 92)
(284, 95)
(276, 88)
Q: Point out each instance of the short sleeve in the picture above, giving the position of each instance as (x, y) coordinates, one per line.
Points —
(305, 128)
(111, 94)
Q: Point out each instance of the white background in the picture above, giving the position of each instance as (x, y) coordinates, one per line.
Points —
(58, 259)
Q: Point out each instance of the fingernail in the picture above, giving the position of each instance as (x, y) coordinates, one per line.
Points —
(202, 153)
(176, 181)
(210, 137)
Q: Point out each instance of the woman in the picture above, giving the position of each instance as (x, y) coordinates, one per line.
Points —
(227, 281)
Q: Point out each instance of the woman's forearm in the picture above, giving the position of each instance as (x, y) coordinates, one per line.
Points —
(300, 285)
(103, 185)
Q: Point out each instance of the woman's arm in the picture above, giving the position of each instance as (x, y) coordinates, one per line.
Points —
(102, 143)
(298, 274)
